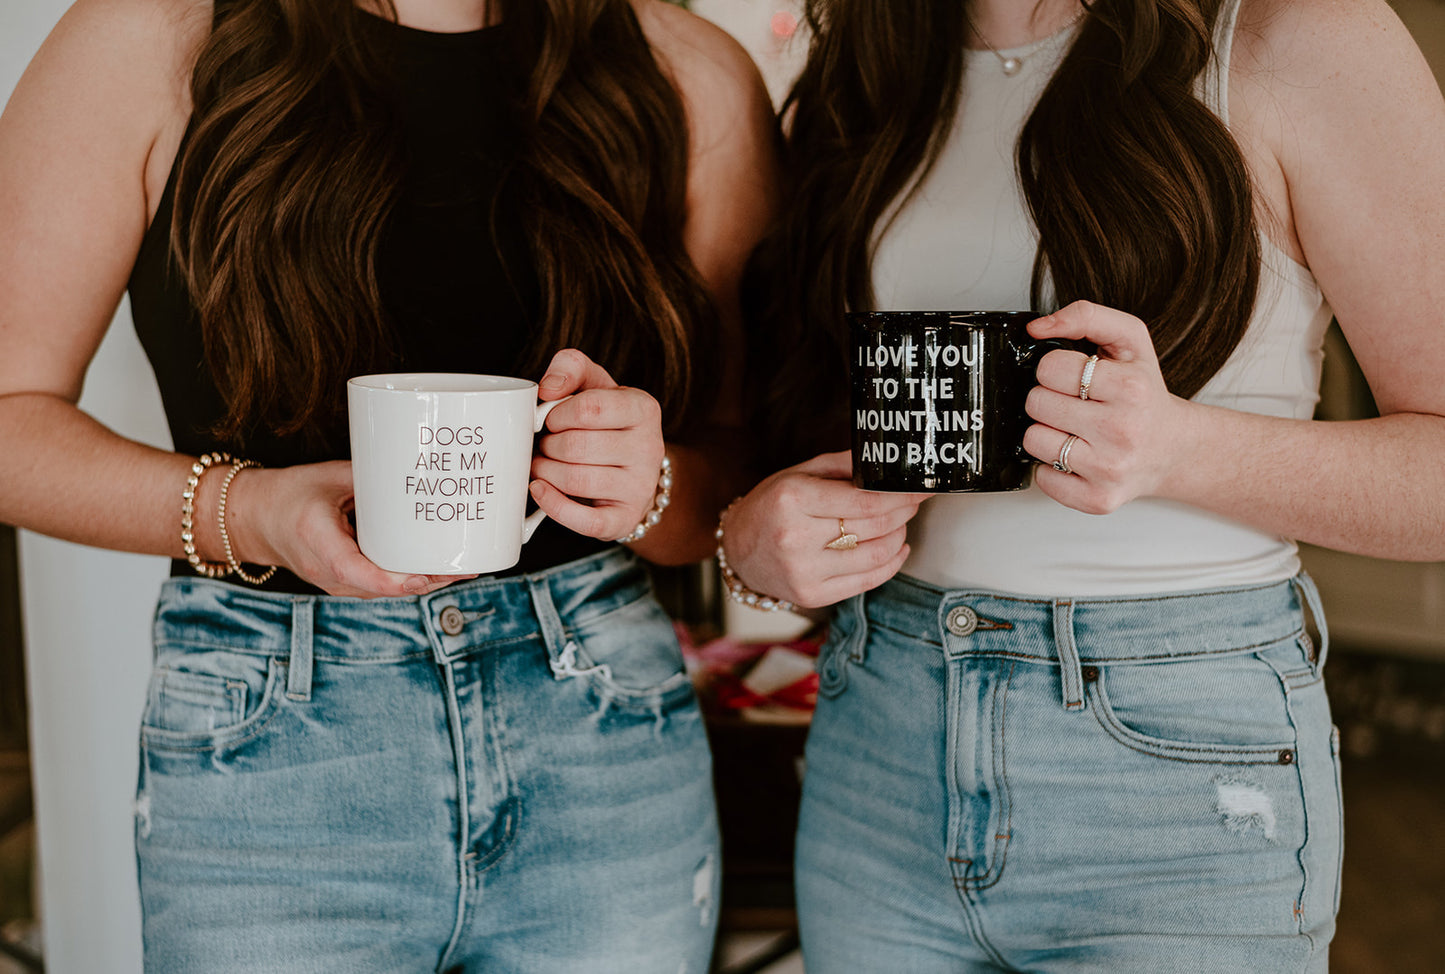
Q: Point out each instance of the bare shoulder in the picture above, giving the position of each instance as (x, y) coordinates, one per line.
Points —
(733, 166)
(122, 61)
(1312, 50)
(113, 75)
(714, 74)
(152, 36)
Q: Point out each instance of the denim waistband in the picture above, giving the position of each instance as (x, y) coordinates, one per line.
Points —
(1120, 629)
(201, 614)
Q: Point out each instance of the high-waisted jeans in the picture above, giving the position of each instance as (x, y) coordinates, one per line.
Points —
(1127, 785)
(507, 776)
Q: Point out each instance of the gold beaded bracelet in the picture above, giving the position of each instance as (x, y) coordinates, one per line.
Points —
(210, 569)
(237, 466)
(736, 590)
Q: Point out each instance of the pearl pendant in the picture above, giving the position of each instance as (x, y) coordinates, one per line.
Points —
(1011, 65)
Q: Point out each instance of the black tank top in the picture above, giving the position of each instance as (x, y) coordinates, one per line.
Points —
(452, 290)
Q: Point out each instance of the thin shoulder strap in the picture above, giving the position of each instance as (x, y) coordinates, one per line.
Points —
(1214, 83)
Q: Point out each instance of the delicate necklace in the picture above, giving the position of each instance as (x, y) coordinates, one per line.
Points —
(1012, 64)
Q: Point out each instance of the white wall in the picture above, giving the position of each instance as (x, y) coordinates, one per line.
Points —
(87, 633)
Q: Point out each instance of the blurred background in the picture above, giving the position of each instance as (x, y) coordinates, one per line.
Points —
(74, 657)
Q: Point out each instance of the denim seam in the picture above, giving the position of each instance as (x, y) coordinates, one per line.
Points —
(463, 807)
(369, 661)
(661, 694)
(1339, 811)
(1183, 752)
(1000, 839)
(834, 654)
(582, 621)
(496, 719)
(280, 652)
(512, 810)
(913, 636)
(1299, 911)
(984, 594)
(1100, 660)
(221, 689)
(858, 639)
(472, 649)
(266, 711)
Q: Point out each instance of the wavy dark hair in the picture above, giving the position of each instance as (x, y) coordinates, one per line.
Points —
(1140, 194)
(293, 164)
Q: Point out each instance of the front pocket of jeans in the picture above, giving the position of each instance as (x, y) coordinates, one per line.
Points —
(209, 700)
(1229, 709)
(630, 656)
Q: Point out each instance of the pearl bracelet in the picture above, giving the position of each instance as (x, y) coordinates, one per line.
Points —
(659, 504)
(737, 591)
(237, 466)
(210, 569)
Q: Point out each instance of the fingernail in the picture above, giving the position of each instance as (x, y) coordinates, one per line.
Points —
(552, 381)
(414, 585)
(536, 489)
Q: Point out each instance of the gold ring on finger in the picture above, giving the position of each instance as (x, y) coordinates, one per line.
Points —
(844, 541)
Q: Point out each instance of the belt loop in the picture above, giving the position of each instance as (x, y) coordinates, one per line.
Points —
(298, 669)
(1070, 671)
(1305, 587)
(548, 620)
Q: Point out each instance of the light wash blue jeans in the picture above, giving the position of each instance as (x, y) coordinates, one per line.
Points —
(1130, 785)
(507, 776)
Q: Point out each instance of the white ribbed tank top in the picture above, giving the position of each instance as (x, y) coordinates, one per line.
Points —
(965, 241)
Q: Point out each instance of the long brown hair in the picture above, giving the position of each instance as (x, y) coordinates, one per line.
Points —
(1140, 195)
(292, 168)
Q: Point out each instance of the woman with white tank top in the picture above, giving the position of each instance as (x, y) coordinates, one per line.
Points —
(1083, 726)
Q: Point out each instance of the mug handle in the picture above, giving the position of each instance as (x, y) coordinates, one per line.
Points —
(1036, 348)
(539, 419)
(1029, 355)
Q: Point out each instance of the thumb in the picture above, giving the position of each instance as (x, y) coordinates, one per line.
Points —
(571, 371)
(831, 466)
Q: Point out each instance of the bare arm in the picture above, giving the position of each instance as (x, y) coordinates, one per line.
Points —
(1354, 131)
(86, 143)
(731, 198)
(75, 143)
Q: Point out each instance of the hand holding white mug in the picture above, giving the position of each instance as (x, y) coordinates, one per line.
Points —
(1130, 431)
(598, 466)
(297, 518)
(777, 535)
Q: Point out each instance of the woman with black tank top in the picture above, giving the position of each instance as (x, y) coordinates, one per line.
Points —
(345, 768)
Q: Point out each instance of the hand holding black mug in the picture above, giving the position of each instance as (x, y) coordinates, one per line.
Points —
(938, 399)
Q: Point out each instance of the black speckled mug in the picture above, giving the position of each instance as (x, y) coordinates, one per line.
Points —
(938, 399)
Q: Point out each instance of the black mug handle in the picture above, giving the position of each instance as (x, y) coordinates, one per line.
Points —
(1035, 349)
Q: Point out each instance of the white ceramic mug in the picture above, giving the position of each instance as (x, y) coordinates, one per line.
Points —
(441, 463)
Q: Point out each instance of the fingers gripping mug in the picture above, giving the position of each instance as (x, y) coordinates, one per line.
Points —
(938, 399)
(441, 463)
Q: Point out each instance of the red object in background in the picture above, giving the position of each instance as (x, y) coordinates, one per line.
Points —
(767, 682)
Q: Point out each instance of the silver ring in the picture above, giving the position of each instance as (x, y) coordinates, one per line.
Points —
(844, 541)
(1087, 378)
(1062, 463)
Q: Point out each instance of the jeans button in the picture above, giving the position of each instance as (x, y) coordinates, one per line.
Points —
(961, 620)
(452, 621)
